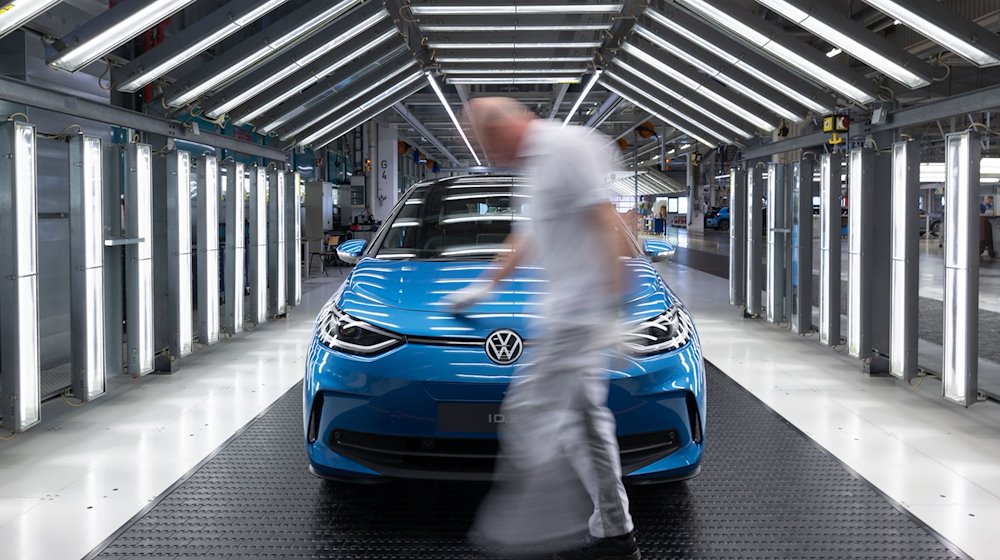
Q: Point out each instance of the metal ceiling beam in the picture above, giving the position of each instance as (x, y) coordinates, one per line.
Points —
(399, 11)
(986, 99)
(622, 28)
(560, 94)
(628, 129)
(261, 46)
(653, 106)
(189, 42)
(604, 111)
(419, 127)
(16, 91)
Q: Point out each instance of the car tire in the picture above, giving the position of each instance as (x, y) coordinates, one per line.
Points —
(936, 229)
(723, 225)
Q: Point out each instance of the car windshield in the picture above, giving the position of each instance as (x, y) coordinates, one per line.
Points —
(468, 218)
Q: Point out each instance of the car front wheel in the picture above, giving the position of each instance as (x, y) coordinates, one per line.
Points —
(724, 225)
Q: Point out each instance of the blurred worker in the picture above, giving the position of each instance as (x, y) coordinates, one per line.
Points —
(986, 206)
(559, 473)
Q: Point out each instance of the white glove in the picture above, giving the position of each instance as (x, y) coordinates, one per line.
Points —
(469, 295)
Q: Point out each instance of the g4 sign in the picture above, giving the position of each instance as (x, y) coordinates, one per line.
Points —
(384, 164)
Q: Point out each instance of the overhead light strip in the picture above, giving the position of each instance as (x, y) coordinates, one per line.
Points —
(155, 63)
(974, 43)
(501, 81)
(454, 119)
(314, 77)
(110, 30)
(562, 71)
(834, 35)
(508, 60)
(266, 49)
(710, 70)
(301, 62)
(444, 45)
(20, 13)
(657, 114)
(512, 28)
(737, 61)
(582, 96)
(683, 99)
(480, 9)
(788, 55)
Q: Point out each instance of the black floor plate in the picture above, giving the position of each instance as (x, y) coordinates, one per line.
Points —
(765, 491)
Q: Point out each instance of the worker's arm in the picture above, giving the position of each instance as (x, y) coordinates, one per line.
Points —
(613, 244)
(477, 291)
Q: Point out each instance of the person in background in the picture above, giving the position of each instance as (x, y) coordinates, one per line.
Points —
(558, 480)
(367, 217)
(986, 206)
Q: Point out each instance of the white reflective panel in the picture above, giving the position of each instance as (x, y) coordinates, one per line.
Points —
(897, 319)
(237, 295)
(25, 194)
(94, 334)
(212, 305)
(956, 362)
(93, 202)
(211, 202)
(183, 186)
(143, 200)
(28, 385)
(144, 302)
(185, 306)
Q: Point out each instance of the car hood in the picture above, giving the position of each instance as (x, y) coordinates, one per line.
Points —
(408, 296)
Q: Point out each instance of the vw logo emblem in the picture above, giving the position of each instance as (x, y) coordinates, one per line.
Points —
(504, 346)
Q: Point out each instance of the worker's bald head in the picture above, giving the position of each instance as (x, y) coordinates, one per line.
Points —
(501, 124)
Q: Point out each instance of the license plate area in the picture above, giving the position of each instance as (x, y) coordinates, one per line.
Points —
(469, 417)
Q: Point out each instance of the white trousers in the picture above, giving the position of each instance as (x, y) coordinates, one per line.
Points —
(559, 473)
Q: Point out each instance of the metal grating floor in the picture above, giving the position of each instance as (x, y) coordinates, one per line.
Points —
(765, 491)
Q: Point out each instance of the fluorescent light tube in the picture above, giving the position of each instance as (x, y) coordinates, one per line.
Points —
(656, 114)
(110, 30)
(179, 252)
(582, 96)
(276, 241)
(208, 249)
(275, 100)
(845, 41)
(451, 114)
(139, 263)
(539, 80)
(266, 49)
(258, 242)
(932, 27)
(461, 70)
(21, 12)
(508, 59)
(903, 254)
(499, 28)
(486, 9)
(235, 248)
(293, 238)
(554, 45)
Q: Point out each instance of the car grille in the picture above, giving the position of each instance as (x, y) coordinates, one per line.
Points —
(471, 459)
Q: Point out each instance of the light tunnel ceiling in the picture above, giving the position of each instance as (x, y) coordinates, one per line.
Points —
(713, 72)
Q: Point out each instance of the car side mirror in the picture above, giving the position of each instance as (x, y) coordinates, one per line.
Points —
(350, 251)
(657, 251)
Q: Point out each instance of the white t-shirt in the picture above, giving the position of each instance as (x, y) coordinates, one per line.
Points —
(568, 171)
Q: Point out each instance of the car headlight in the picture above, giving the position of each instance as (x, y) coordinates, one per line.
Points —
(339, 330)
(667, 332)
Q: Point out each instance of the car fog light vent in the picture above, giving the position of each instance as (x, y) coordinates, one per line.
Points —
(694, 417)
(314, 416)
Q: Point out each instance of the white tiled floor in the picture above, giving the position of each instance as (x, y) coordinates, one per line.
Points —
(70, 482)
(938, 460)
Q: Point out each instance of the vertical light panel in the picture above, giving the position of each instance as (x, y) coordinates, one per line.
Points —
(737, 237)
(276, 257)
(258, 244)
(86, 223)
(801, 317)
(777, 233)
(139, 258)
(830, 182)
(179, 252)
(960, 371)
(19, 359)
(208, 249)
(235, 249)
(903, 321)
(755, 229)
(860, 187)
(293, 237)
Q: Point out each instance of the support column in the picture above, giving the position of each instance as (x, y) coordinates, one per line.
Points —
(904, 308)
(755, 232)
(737, 237)
(803, 187)
(777, 241)
(696, 215)
(235, 249)
(830, 182)
(388, 172)
(276, 242)
(139, 258)
(859, 238)
(20, 373)
(178, 209)
(208, 250)
(960, 370)
(258, 244)
(293, 237)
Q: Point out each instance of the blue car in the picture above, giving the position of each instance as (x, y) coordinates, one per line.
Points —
(718, 219)
(399, 386)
